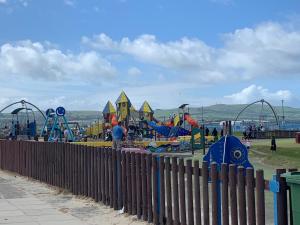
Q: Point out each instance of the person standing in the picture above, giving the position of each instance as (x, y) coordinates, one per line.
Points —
(66, 135)
(215, 134)
(117, 136)
(206, 131)
(273, 144)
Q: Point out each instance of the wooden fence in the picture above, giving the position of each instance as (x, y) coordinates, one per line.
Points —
(158, 189)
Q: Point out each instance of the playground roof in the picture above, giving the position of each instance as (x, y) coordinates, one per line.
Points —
(132, 109)
(109, 108)
(123, 99)
(183, 106)
(16, 111)
(146, 108)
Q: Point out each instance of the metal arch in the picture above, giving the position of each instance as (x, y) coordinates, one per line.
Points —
(22, 102)
(262, 101)
(36, 108)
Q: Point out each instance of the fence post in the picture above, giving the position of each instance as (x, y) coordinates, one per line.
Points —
(102, 155)
(144, 186)
(197, 192)
(128, 176)
(155, 190)
(96, 175)
(93, 174)
(82, 184)
(149, 188)
(139, 202)
(175, 190)
(260, 196)
(111, 188)
(182, 192)
(205, 193)
(85, 175)
(225, 208)
(215, 189)
(124, 182)
(282, 215)
(242, 196)
(189, 187)
(162, 203)
(133, 184)
(119, 179)
(115, 178)
(106, 183)
(99, 177)
(250, 196)
(77, 158)
(169, 192)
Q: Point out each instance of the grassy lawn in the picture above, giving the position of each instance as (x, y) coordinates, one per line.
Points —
(286, 156)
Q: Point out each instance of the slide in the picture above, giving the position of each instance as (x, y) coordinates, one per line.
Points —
(155, 120)
(114, 120)
(169, 131)
(190, 120)
(178, 131)
(162, 130)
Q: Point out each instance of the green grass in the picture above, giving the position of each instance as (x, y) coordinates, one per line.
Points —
(286, 156)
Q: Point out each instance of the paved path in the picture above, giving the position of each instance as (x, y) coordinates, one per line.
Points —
(28, 202)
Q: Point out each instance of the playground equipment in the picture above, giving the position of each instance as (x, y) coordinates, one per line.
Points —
(50, 113)
(109, 112)
(146, 112)
(123, 108)
(261, 117)
(57, 129)
(168, 132)
(197, 139)
(190, 120)
(229, 150)
(95, 130)
(23, 121)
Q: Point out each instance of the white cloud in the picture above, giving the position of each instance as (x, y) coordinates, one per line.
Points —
(24, 3)
(133, 71)
(33, 59)
(267, 50)
(69, 2)
(3, 1)
(254, 93)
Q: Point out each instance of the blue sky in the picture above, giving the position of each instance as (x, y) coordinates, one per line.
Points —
(82, 53)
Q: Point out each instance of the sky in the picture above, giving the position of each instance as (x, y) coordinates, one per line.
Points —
(80, 54)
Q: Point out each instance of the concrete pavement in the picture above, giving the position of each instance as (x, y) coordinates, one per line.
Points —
(29, 202)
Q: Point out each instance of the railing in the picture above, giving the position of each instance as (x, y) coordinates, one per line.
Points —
(158, 189)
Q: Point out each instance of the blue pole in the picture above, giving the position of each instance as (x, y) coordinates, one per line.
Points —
(52, 130)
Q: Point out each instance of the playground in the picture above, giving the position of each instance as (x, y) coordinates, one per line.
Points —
(160, 163)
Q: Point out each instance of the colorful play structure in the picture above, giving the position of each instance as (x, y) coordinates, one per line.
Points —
(56, 127)
(22, 125)
(180, 131)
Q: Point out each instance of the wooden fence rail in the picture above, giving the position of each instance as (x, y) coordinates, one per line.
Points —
(158, 189)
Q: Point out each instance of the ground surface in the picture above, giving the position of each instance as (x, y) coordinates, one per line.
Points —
(28, 202)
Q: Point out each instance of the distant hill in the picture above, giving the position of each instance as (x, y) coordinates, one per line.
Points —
(210, 113)
(229, 112)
